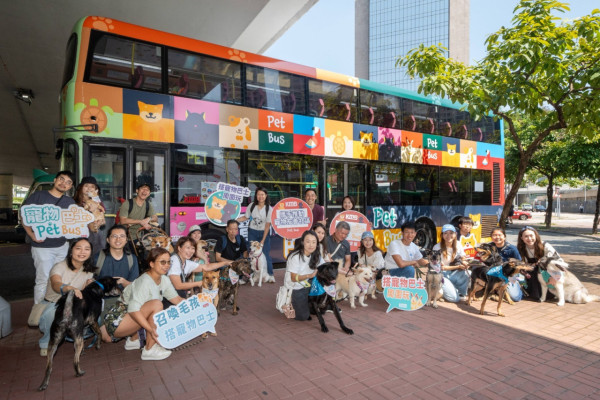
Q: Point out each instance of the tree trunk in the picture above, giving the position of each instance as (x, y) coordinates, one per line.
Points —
(523, 162)
(549, 193)
(597, 213)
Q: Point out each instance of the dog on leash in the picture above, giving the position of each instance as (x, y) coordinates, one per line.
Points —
(73, 315)
(554, 275)
(355, 285)
(258, 260)
(162, 241)
(322, 295)
(229, 282)
(433, 281)
(495, 279)
(488, 256)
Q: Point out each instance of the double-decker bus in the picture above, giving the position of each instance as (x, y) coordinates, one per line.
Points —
(182, 115)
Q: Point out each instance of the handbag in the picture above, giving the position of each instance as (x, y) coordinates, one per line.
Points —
(289, 311)
(36, 314)
(283, 302)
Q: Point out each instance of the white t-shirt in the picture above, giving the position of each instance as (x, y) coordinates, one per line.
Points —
(407, 253)
(144, 289)
(259, 217)
(447, 260)
(176, 266)
(299, 266)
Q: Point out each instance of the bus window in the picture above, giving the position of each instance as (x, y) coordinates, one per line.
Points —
(282, 177)
(481, 188)
(197, 169)
(384, 185)
(124, 62)
(418, 116)
(273, 90)
(419, 185)
(380, 109)
(204, 77)
(70, 58)
(331, 100)
(455, 186)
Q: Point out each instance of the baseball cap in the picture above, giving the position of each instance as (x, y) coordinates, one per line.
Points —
(142, 183)
(448, 227)
(193, 229)
(367, 234)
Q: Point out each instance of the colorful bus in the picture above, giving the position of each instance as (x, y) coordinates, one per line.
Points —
(182, 114)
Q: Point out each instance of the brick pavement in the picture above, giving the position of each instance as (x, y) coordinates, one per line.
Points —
(539, 351)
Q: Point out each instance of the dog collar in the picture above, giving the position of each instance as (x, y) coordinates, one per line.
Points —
(99, 284)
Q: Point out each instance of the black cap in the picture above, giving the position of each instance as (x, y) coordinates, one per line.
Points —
(89, 179)
(142, 183)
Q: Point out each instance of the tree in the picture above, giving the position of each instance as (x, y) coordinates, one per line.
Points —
(540, 68)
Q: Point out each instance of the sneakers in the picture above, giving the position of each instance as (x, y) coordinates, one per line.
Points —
(156, 352)
(463, 298)
(271, 279)
(44, 352)
(132, 344)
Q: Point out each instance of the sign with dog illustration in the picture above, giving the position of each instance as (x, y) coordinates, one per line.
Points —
(50, 221)
(185, 321)
(291, 217)
(225, 203)
(406, 294)
(358, 225)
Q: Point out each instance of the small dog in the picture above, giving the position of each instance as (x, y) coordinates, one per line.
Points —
(210, 286)
(73, 315)
(565, 285)
(229, 282)
(319, 301)
(480, 279)
(372, 287)
(355, 285)
(162, 241)
(434, 277)
(259, 264)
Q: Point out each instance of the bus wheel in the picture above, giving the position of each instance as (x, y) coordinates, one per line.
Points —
(426, 233)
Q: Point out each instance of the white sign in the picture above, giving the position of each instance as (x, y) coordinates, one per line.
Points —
(50, 221)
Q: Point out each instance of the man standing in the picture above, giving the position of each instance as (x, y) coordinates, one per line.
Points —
(338, 247)
(310, 197)
(138, 212)
(47, 252)
(403, 255)
(231, 246)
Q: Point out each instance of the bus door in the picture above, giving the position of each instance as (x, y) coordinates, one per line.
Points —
(118, 166)
(344, 178)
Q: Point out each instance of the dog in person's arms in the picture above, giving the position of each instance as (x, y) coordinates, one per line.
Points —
(258, 260)
(554, 275)
(355, 285)
(495, 279)
(322, 295)
(229, 282)
(73, 315)
(433, 281)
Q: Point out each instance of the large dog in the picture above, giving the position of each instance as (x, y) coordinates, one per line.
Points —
(73, 315)
(495, 279)
(554, 275)
(259, 264)
(433, 282)
(488, 257)
(229, 282)
(356, 285)
(322, 295)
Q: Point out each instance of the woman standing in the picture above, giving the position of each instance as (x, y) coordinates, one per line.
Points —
(456, 282)
(140, 301)
(507, 251)
(259, 214)
(531, 248)
(348, 203)
(74, 273)
(300, 268)
(86, 196)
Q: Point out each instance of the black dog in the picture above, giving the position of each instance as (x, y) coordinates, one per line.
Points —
(228, 290)
(73, 315)
(326, 276)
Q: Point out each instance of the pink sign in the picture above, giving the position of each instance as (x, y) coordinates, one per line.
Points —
(291, 218)
(358, 224)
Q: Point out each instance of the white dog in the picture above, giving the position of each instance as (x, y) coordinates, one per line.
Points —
(355, 285)
(565, 285)
(258, 262)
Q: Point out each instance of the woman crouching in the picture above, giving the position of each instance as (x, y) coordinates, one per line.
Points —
(301, 266)
(139, 302)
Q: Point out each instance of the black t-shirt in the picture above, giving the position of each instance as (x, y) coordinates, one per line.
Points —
(232, 250)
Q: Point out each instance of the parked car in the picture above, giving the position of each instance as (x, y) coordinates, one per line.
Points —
(521, 215)
(539, 207)
(526, 207)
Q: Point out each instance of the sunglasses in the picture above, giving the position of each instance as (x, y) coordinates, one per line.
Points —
(164, 262)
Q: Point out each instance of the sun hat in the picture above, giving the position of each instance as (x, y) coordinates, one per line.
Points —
(367, 234)
(194, 228)
(448, 227)
(89, 179)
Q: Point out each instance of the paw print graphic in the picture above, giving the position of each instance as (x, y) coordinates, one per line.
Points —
(237, 55)
(103, 24)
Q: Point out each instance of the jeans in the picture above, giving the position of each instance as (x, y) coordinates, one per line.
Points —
(514, 291)
(406, 272)
(46, 320)
(254, 235)
(456, 284)
(43, 260)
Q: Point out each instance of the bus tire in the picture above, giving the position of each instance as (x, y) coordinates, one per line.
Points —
(426, 233)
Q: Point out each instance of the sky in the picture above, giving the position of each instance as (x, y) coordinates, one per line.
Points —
(324, 36)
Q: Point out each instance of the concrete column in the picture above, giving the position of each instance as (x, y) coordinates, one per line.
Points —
(361, 39)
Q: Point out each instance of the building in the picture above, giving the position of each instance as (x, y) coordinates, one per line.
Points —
(386, 29)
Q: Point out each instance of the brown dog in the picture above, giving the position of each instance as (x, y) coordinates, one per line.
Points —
(229, 282)
(210, 286)
(162, 241)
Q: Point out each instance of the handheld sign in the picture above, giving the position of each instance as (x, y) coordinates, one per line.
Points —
(358, 224)
(185, 321)
(291, 217)
(407, 294)
(50, 221)
(225, 203)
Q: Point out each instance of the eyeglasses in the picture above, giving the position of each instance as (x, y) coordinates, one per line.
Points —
(528, 228)
(164, 262)
(118, 236)
(65, 180)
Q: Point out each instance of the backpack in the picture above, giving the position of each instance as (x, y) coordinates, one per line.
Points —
(118, 219)
(102, 258)
(238, 241)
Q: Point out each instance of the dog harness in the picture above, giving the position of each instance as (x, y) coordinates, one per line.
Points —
(497, 273)
(316, 289)
(546, 276)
